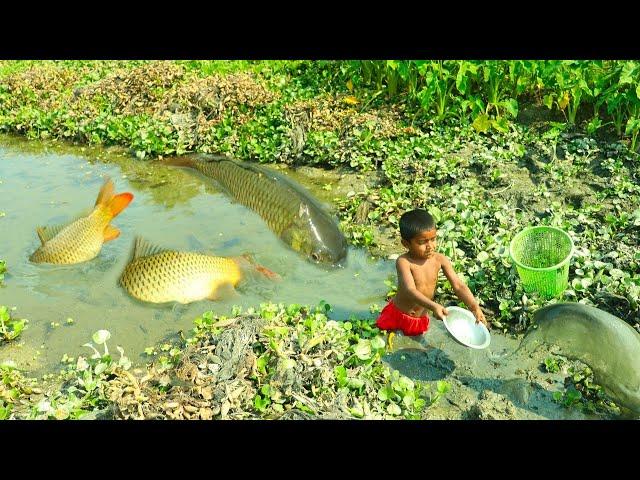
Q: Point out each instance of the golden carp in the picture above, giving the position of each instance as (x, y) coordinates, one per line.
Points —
(159, 275)
(287, 208)
(82, 239)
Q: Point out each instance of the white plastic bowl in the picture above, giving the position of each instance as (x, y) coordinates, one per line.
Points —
(461, 323)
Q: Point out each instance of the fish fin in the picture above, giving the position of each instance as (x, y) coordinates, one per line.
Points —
(268, 273)
(48, 232)
(259, 268)
(303, 210)
(106, 192)
(111, 233)
(144, 248)
(119, 203)
(223, 292)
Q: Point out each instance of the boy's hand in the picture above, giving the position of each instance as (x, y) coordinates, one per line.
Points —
(440, 312)
(479, 316)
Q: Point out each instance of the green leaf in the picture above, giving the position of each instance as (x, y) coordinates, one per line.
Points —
(627, 74)
(384, 394)
(393, 409)
(409, 399)
(101, 367)
(512, 106)
(483, 256)
(461, 79)
(443, 386)
(341, 375)
(101, 336)
(481, 123)
(355, 383)
(406, 383)
(616, 273)
(363, 349)
(633, 125)
(378, 342)
(548, 101)
(501, 124)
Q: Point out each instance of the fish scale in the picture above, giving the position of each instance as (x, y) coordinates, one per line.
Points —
(243, 188)
(73, 244)
(286, 207)
(82, 239)
(178, 276)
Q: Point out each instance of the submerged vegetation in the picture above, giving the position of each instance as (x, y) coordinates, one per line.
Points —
(488, 147)
(10, 328)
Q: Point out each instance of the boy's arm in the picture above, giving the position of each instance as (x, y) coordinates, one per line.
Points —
(408, 285)
(461, 290)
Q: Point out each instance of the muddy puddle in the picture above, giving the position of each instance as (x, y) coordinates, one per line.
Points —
(45, 185)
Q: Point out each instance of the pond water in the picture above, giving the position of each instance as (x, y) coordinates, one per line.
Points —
(48, 184)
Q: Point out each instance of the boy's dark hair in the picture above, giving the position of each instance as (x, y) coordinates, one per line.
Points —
(414, 222)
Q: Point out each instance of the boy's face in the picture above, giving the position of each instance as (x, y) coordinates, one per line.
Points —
(423, 245)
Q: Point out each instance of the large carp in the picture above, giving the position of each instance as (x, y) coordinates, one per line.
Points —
(82, 239)
(609, 345)
(159, 275)
(287, 208)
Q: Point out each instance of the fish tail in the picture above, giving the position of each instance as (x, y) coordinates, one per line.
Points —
(106, 192)
(111, 203)
(119, 202)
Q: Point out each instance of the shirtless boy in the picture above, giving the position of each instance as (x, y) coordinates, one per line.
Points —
(417, 278)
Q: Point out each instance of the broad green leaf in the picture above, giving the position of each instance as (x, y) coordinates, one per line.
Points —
(512, 106)
(355, 383)
(406, 383)
(563, 101)
(627, 74)
(385, 393)
(616, 273)
(101, 336)
(363, 349)
(501, 124)
(483, 256)
(377, 342)
(393, 409)
(409, 399)
(443, 386)
(341, 375)
(633, 124)
(101, 367)
(481, 123)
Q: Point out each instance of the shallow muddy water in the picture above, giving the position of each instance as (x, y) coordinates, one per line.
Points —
(178, 209)
(46, 183)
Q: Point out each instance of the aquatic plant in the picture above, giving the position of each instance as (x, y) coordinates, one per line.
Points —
(10, 328)
(580, 392)
(280, 361)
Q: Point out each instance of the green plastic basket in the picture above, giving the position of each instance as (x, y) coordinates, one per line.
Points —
(542, 255)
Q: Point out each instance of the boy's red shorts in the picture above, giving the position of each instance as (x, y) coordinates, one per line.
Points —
(391, 318)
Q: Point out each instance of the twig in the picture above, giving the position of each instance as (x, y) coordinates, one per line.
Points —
(503, 190)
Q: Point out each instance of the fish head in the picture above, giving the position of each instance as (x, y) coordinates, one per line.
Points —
(317, 235)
